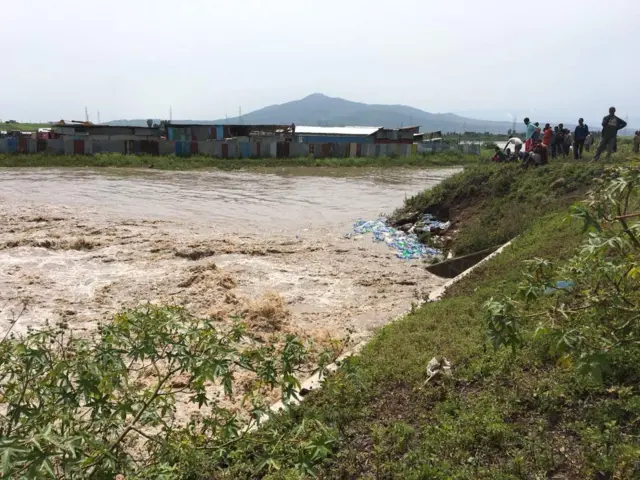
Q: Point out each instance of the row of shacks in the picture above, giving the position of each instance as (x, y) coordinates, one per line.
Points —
(223, 141)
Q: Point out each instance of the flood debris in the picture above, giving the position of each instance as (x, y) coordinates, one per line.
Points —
(194, 253)
(436, 368)
(267, 313)
(403, 239)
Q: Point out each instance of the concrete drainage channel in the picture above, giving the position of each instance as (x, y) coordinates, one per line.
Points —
(315, 381)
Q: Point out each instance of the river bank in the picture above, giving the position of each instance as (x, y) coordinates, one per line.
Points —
(446, 159)
(517, 412)
(519, 401)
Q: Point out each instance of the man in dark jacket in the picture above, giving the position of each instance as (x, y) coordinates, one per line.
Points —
(560, 139)
(554, 142)
(579, 136)
(610, 126)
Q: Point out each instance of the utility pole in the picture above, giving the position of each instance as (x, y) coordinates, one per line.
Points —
(170, 113)
(98, 116)
(240, 114)
(86, 114)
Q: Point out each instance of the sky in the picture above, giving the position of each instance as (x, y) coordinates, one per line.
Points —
(552, 60)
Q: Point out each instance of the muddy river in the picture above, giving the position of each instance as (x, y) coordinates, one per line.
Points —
(80, 245)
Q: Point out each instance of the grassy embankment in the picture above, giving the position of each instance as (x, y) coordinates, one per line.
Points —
(171, 162)
(521, 413)
(490, 205)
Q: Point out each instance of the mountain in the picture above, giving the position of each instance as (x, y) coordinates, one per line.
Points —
(319, 109)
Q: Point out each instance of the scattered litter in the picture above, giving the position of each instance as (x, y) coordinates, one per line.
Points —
(406, 244)
(429, 223)
(560, 285)
(437, 367)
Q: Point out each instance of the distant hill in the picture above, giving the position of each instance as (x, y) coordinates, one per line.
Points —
(319, 109)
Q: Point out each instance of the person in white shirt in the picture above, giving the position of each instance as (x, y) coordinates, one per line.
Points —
(517, 145)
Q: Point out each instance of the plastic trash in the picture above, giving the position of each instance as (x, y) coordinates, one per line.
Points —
(437, 367)
(560, 285)
(430, 223)
(407, 245)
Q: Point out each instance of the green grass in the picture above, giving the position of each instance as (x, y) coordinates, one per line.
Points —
(171, 162)
(492, 204)
(502, 415)
(23, 127)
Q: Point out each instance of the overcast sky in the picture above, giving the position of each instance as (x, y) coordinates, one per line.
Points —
(134, 58)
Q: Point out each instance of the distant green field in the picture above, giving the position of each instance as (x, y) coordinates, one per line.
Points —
(171, 162)
(23, 127)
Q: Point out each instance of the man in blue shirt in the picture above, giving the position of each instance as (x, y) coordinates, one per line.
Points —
(579, 136)
(530, 132)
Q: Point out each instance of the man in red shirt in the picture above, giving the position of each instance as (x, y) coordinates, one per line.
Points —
(547, 135)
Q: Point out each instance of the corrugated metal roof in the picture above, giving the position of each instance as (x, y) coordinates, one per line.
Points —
(306, 130)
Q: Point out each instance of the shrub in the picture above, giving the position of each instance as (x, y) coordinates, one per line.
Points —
(587, 310)
(106, 405)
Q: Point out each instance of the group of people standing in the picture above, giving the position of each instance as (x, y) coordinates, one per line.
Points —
(539, 143)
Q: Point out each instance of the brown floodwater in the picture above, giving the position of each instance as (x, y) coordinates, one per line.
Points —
(82, 244)
(284, 198)
(79, 245)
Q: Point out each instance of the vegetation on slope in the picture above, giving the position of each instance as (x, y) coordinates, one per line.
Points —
(490, 204)
(544, 381)
(172, 162)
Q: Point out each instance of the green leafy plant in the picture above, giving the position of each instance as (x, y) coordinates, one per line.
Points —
(587, 310)
(107, 404)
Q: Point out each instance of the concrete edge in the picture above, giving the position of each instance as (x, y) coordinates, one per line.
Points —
(439, 292)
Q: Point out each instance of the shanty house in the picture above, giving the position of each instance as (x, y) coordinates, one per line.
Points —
(356, 141)
(87, 138)
(304, 134)
(105, 132)
(199, 133)
(396, 135)
(228, 141)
